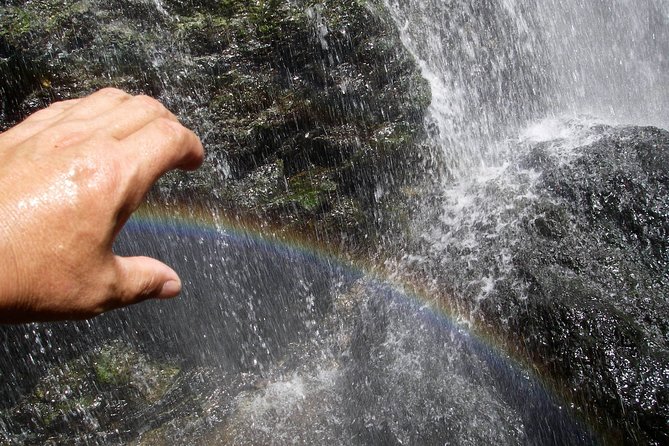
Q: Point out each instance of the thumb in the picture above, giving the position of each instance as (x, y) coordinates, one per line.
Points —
(141, 278)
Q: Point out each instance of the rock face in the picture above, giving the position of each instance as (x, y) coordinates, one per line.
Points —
(565, 252)
(598, 274)
(311, 112)
(379, 368)
(113, 385)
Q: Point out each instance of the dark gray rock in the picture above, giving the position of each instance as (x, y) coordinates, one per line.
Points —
(564, 253)
(598, 273)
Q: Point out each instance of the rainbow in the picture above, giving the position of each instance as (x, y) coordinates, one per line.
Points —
(505, 359)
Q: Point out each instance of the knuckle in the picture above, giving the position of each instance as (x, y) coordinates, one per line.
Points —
(112, 92)
(151, 105)
(147, 286)
(141, 286)
(134, 284)
(173, 131)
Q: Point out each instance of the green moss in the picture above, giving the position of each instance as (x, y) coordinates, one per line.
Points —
(242, 21)
(309, 190)
(50, 405)
(111, 366)
(393, 136)
(52, 411)
(161, 382)
(201, 22)
(20, 22)
(70, 378)
(118, 366)
(72, 393)
(16, 22)
(265, 82)
(309, 200)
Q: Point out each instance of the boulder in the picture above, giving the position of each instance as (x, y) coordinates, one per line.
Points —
(563, 252)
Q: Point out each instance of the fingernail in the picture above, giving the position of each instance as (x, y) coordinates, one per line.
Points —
(170, 289)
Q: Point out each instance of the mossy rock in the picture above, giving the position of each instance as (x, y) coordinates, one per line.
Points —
(309, 191)
(81, 396)
(308, 86)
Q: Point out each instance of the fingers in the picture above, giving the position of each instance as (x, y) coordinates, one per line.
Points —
(90, 107)
(54, 110)
(141, 278)
(109, 110)
(73, 110)
(96, 104)
(131, 115)
(159, 146)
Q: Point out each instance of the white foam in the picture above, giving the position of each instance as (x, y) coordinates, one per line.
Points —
(547, 130)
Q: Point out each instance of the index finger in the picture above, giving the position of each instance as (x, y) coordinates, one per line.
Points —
(159, 146)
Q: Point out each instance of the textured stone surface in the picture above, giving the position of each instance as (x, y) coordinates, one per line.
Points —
(311, 112)
(564, 252)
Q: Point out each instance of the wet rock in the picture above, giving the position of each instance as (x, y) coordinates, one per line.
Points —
(317, 91)
(104, 394)
(565, 253)
(606, 302)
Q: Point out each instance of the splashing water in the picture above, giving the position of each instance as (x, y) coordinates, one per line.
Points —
(308, 349)
(280, 342)
(522, 93)
(497, 66)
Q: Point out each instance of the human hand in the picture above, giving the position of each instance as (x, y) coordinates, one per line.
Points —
(70, 177)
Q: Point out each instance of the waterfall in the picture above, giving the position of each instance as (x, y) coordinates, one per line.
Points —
(609, 58)
(496, 66)
(519, 298)
(552, 217)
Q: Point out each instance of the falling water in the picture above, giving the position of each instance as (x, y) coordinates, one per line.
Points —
(526, 99)
(610, 59)
(498, 66)
(280, 342)
(509, 74)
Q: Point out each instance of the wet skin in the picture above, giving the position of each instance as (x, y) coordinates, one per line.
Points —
(70, 177)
